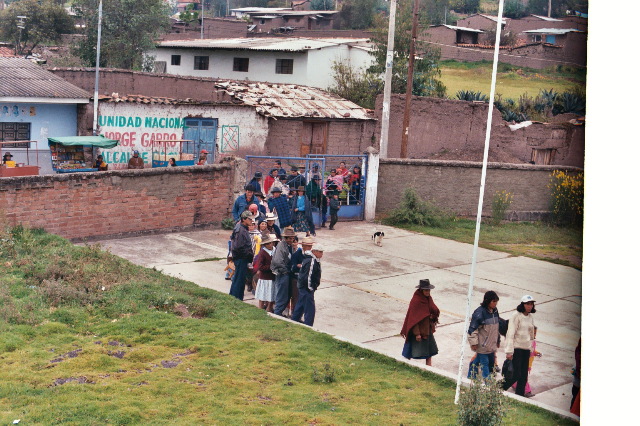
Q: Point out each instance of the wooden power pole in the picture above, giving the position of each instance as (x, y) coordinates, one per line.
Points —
(407, 99)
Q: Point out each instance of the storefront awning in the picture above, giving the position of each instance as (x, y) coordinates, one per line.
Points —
(99, 141)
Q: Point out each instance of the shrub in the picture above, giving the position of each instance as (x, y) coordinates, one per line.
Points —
(324, 375)
(414, 211)
(227, 223)
(500, 204)
(567, 198)
(470, 95)
(483, 403)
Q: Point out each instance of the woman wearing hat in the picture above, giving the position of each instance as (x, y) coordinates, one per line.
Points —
(202, 159)
(520, 334)
(301, 213)
(6, 157)
(420, 324)
(265, 289)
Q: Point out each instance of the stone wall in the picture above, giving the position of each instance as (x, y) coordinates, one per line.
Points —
(122, 202)
(455, 185)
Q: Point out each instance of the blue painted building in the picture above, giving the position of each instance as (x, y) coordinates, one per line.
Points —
(35, 104)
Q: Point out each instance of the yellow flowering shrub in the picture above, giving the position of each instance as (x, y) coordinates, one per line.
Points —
(567, 197)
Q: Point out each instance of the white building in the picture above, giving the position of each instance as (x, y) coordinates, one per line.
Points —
(290, 60)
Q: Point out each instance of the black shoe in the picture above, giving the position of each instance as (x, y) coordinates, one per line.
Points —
(331, 229)
(323, 226)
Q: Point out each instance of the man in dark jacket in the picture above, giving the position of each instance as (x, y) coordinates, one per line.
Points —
(280, 266)
(483, 335)
(295, 179)
(308, 282)
(242, 253)
(243, 202)
(281, 205)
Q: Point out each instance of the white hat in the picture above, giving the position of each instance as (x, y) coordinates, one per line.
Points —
(317, 247)
(526, 299)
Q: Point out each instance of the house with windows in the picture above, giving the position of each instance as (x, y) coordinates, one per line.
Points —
(291, 60)
(35, 104)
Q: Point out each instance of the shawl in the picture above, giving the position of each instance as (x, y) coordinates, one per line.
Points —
(420, 307)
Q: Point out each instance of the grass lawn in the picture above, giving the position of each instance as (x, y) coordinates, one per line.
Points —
(89, 338)
(535, 240)
(512, 82)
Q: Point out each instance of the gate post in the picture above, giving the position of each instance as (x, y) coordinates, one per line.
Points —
(371, 194)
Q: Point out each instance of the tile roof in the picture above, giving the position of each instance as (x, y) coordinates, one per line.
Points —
(21, 78)
(142, 99)
(291, 101)
(7, 52)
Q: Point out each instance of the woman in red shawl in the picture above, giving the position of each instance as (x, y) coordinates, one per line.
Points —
(420, 324)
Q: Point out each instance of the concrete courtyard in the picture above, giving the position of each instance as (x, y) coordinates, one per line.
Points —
(365, 291)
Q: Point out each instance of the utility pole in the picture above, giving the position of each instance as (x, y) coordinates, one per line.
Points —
(549, 11)
(201, 19)
(96, 84)
(388, 74)
(407, 98)
(21, 21)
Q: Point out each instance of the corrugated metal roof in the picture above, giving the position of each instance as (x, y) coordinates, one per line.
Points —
(21, 78)
(291, 101)
(493, 18)
(290, 44)
(453, 27)
(554, 31)
(546, 18)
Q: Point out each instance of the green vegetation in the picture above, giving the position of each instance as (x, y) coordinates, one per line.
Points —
(567, 198)
(538, 240)
(512, 82)
(483, 403)
(89, 338)
(499, 205)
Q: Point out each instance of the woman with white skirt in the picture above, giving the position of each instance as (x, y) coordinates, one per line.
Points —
(265, 290)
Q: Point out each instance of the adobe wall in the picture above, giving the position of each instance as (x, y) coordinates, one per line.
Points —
(445, 125)
(125, 82)
(455, 185)
(122, 202)
(344, 137)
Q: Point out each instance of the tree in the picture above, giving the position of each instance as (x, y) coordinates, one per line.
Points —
(45, 22)
(189, 15)
(426, 69)
(465, 6)
(514, 9)
(357, 14)
(558, 7)
(358, 86)
(129, 28)
(323, 4)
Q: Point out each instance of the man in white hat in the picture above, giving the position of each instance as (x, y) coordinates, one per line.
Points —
(308, 282)
(272, 227)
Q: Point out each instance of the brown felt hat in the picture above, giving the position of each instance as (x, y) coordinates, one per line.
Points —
(288, 232)
(301, 188)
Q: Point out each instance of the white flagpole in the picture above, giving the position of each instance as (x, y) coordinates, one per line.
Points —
(97, 81)
(463, 343)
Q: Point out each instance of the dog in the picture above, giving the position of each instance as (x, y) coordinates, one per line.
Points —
(377, 238)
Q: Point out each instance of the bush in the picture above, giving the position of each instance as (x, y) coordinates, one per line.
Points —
(500, 204)
(227, 223)
(483, 403)
(414, 211)
(567, 198)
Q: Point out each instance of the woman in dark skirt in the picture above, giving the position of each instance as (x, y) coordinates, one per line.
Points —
(301, 213)
(420, 324)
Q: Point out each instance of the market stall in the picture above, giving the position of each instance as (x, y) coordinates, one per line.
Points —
(72, 154)
(164, 150)
(9, 167)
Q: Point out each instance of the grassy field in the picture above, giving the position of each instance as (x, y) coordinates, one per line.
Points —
(89, 338)
(512, 82)
(536, 240)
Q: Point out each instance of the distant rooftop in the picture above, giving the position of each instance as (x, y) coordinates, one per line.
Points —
(290, 44)
(554, 31)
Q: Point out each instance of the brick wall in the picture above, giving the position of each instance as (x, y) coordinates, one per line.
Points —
(445, 125)
(121, 202)
(455, 185)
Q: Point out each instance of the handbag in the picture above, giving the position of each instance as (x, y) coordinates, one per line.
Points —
(507, 369)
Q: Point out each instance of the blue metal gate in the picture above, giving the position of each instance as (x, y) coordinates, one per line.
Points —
(350, 184)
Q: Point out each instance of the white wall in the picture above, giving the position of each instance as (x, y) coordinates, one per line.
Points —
(311, 68)
(135, 133)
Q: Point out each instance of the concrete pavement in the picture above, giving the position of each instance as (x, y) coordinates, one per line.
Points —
(365, 291)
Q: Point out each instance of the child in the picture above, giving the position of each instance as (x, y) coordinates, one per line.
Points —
(534, 353)
(230, 269)
(334, 206)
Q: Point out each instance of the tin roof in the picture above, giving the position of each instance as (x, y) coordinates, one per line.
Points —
(553, 31)
(21, 78)
(289, 44)
(453, 27)
(291, 101)
(546, 18)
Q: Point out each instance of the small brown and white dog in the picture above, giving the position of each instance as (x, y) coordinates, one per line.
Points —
(377, 238)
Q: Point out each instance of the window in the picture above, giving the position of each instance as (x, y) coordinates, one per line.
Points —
(14, 131)
(241, 64)
(160, 66)
(175, 59)
(284, 66)
(201, 63)
(537, 38)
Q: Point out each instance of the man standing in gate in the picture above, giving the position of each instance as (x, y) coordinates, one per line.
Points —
(280, 266)
(242, 253)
